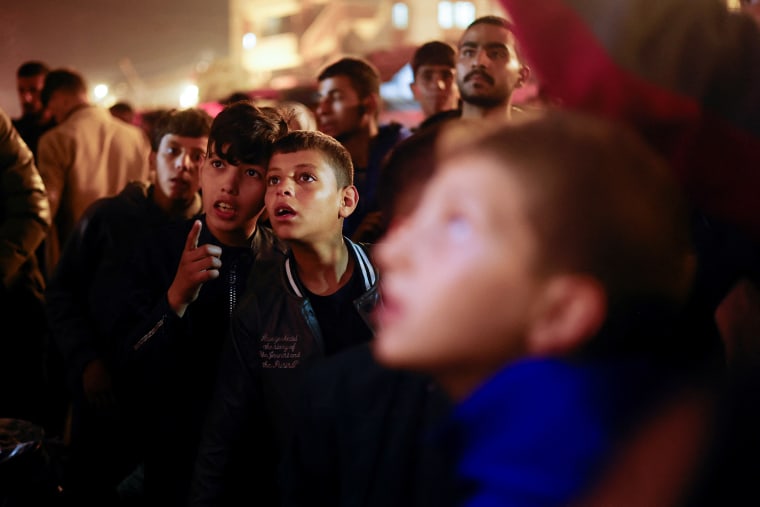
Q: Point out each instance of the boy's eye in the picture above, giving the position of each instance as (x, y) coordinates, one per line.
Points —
(252, 172)
(216, 163)
(498, 54)
(307, 178)
(273, 180)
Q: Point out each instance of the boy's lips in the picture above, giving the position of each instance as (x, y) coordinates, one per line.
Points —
(225, 208)
(283, 212)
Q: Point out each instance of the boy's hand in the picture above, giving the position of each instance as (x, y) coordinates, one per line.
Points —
(197, 265)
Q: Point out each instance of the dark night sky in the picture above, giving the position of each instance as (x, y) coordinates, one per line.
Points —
(92, 36)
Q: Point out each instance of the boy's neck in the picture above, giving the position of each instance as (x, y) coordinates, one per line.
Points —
(325, 268)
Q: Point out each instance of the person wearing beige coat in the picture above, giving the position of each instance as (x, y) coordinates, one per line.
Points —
(89, 155)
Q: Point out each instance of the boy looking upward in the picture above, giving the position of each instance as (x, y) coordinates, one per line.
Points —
(183, 285)
(570, 267)
(299, 309)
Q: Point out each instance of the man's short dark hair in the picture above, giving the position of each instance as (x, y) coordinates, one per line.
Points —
(193, 122)
(32, 68)
(364, 76)
(244, 133)
(492, 20)
(433, 53)
(336, 155)
(62, 79)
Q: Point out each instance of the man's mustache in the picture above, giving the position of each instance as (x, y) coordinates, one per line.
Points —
(480, 73)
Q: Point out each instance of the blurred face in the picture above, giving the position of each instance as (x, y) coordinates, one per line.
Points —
(177, 163)
(340, 111)
(303, 200)
(458, 283)
(233, 198)
(488, 70)
(434, 89)
(29, 89)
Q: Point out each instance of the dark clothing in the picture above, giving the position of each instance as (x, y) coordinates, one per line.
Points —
(78, 297)
(440, 116)
(366, 178)
(177, 358)
(364, 437)
(80, 306)
(274, 338)
(24, 221)
(31, 127)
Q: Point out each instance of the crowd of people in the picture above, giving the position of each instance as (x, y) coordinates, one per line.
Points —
(545, 304)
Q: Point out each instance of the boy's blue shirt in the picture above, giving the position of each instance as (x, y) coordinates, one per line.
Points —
(539, 431)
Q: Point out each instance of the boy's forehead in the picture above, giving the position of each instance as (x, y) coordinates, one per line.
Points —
(339, 83)
(172, 137)
(302, 159)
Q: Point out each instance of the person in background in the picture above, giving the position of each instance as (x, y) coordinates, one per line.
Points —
(24, 221)
(353, 410)
(179, 290)
(34, 120)
(558, 346)
(89, 154)
(303, 118)
(124, 111)
(434, 86)
(489, 68)
(301, 308)
(102, 448)
(348, 110)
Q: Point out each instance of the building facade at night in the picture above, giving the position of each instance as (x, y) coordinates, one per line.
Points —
(283, 44)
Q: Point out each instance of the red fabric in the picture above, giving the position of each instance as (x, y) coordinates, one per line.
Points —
(717, 162)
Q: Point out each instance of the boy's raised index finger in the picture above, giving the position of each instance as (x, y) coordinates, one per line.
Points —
(192, 237)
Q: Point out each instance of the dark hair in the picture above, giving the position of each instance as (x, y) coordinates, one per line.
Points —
(122, 107)
(32, 68)
(433, 53)
(364, 76)
(406, 168)
(492, 20)
(193, 122)
(335, 154)
(235, 97)
(62, 79)
(244, 133)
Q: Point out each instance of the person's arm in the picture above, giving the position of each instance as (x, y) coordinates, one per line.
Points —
(25, 216)
(684, 73)
(73, 326)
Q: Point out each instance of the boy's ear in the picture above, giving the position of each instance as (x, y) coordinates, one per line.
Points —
(371, 105)
(571, 312)
(349, 200)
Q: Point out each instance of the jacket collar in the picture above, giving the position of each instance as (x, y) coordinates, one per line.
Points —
(368, 271)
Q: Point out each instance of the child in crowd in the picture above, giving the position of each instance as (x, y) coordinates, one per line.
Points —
(542, 289)
(298, 310)
(183, 286)
(101, 450)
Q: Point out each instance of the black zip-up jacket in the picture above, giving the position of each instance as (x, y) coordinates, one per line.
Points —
(78, 295)
(274, 338)
(174, 360)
